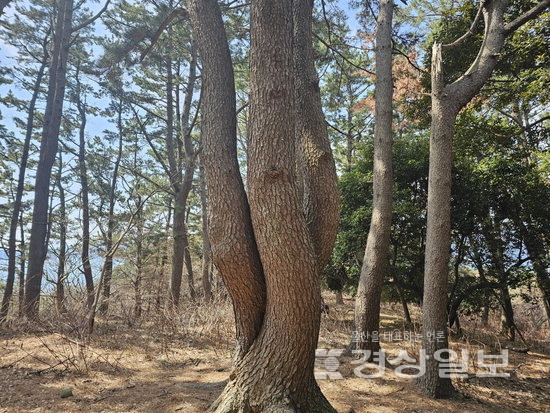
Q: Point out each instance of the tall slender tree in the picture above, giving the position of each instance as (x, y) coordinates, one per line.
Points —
(377, 252)
(206, 247)
(111, 220)
(16, 211)
(62, 256)
(447, 101)
(48, 151)
(62, 35)
(85, 195)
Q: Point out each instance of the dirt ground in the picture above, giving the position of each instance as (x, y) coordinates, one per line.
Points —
(148, 369)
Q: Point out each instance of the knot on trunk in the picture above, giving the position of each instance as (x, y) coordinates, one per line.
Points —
(274, 174)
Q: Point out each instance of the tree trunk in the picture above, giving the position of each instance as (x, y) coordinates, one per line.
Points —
(178, 247)
(189, 156)
(180, 182)
(508, 323)
(234, 250)
(83, 172)
(458, 326)
(539, 257)
(206, 248)
(318, 184)
(108, 264)
(406, 312)
(60, 287)
(188, 264)
(377, 255)
(21, 267)
(438, 234)
(485, 316)
(447, 101)
(290, 260)
(48, 151)
(16, 211)
(139, 264)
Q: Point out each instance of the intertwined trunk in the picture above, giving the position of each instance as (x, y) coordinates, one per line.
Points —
(286, 250)
(318, 185)
(277, 321)
(376, 261)
(234, 250)
(16, 211)
(48, 151)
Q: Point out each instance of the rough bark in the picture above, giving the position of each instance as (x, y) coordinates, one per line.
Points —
(16, 211)
(234, 250)
(319, 186)
(438, 236)
(289, 259)
(377, 255)
(48, 151)
(447, 101)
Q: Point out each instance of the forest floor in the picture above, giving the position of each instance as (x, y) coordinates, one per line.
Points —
(159, 368)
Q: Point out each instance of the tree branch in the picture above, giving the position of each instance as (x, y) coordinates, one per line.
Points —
(342, 55)
(3, 5)
(470, 31)
(525, 17)
(179, 12)
(91, 19)
(150, 142)
(400, 52)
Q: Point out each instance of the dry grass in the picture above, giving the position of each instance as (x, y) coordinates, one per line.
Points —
(178, 361)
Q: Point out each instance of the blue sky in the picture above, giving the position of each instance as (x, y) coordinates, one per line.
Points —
(96, 124)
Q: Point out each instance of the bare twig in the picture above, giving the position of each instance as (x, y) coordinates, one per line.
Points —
(470, 31)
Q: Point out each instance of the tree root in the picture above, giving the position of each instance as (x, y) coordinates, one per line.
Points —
(236, 400)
